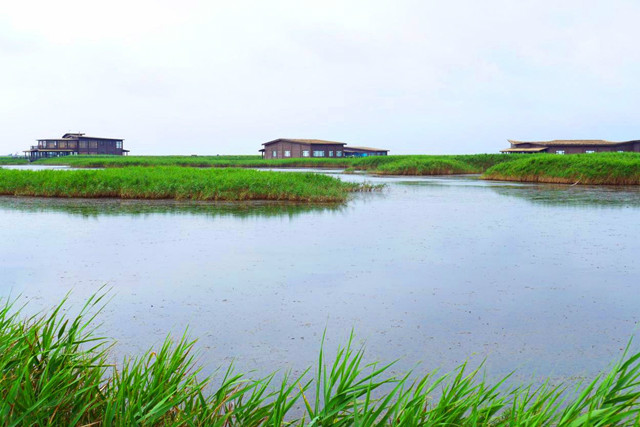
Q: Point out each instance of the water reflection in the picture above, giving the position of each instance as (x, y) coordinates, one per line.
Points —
(564, 195)
(117, 207)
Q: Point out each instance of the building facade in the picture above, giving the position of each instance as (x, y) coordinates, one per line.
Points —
(572, 146)
(364, 151)
(73, 144)
(284, 148)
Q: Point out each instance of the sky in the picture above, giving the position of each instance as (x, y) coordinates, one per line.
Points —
(222, 77)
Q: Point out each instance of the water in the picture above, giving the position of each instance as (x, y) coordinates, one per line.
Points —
(538, 278)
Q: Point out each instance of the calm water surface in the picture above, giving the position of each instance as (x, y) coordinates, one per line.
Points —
(538, 278)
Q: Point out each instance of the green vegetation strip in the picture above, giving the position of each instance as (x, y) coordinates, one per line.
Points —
(597, 168)
(13, 160)
(56, 371)
(179, 184)
(383, 165)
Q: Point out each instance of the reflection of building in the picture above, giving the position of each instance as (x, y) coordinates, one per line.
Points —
(283, 148)
(364, 151)
(572, 146)
(75, 144)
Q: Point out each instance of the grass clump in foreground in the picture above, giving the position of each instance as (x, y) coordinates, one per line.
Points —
(56, 371)
(596, 168)
(178, 183)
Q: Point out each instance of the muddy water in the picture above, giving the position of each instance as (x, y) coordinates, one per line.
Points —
(539, 278)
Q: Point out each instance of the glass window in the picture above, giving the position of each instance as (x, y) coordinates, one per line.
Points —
(305, 153)
(318, 153)
(118, 144)
(559, 151)
(590, 151)
(338, 153)
(93, 144)
(330, 153)
(63, 144)
(274, 153)
(287, 153)
(72, 144)
(83, 144)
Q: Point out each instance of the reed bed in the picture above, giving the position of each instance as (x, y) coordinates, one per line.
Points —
(386, 165)
(193, 161)
(179, 184)
(591, 169)
(56, 370)
(6, 160)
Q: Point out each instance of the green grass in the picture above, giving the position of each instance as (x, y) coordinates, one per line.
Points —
(178, 183)
(597, 168)
(191, 161)
(384, 165)
(56, 370)
(6, 160)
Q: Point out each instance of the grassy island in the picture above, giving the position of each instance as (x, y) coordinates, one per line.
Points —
(6, 160)
(383, 165)
(179, 184)
(597, 168)
(57, 371)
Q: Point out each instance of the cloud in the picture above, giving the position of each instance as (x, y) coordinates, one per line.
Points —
(413, 76)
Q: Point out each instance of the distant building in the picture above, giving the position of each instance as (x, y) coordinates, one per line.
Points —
(283, 148)
(571, 146)
(364, 151)
(72, 144)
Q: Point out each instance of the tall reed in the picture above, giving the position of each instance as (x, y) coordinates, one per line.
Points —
(596, 168)
(178, 183)
(56, 371)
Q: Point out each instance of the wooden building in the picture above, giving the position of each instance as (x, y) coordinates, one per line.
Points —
(364, 151)
(284, 148)
(572, 146)
(73, 144)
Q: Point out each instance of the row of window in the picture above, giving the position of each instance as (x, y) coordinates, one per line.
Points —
(305, 153)
(69, 144)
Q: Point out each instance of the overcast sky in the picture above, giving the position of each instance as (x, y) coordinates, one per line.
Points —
(222, 77)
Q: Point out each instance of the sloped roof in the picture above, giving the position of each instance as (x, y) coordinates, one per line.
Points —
(306, 141)
(570, 142)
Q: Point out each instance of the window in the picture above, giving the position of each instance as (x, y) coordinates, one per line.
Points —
(93, 144)
(620, 151)
(119, 144)
(287, 153)
(318, 153)
(590, 151)
(72, 144)
(305, 153)
(274, 153)
(63, 144)
(559, 151)
(83, 144)
(338, 153)
(330, 153)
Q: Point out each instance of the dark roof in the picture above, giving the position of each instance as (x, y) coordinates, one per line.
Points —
(306, 141)
(350, 147)
(571, 142)
(76, 136)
